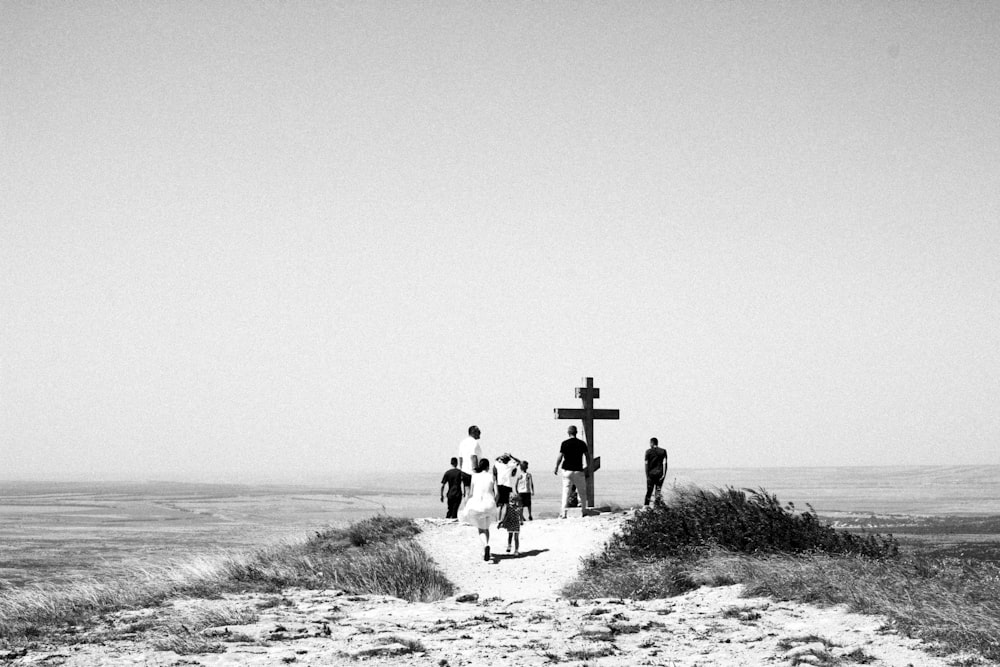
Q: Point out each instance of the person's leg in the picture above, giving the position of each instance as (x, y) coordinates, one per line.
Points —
(580, 480)
(510, 537)
(517, 543)
(658, 493)
(484, 538)
(466, 484)
(650, 484)
(567, 483)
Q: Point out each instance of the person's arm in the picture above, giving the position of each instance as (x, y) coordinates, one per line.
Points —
(558, 463)
(586, 453)
(444, 480)
(665, 465)
(475, 462)
(531, 483)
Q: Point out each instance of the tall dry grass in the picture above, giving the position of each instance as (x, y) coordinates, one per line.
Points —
(376, 556)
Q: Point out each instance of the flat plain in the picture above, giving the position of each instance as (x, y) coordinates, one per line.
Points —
(58, 532)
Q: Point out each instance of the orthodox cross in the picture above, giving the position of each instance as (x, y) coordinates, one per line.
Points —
(588, 414)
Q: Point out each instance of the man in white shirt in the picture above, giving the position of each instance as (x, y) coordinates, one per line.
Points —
(469, 453)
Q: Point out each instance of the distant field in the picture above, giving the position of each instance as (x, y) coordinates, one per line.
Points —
(58, 532)
(950, 536)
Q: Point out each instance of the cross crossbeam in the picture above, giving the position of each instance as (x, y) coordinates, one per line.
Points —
(587, 414)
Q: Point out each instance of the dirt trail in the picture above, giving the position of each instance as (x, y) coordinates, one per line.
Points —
(551, 550)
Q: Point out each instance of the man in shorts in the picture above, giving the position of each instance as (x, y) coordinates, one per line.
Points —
(505, 474)
(469, 453)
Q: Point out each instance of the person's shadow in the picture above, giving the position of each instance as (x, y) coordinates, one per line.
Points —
(524, 554)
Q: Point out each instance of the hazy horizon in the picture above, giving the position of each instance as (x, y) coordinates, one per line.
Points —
(313, 239)
(384, 479)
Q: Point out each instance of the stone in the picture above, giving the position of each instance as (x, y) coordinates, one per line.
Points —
(817, 649)
(379, 650)
(596, 632)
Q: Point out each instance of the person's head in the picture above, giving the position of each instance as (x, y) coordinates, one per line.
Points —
(484, 465)
(572, 431)
(504, 458)
(454, 462)
(474, 431)
(524, 466)
(653, 442)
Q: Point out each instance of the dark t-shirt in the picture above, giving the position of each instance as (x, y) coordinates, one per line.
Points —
(453, 478)
(573, 450)
(654, 461)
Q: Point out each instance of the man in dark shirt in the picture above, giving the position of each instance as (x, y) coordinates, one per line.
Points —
(453, 478)
(572, 453)
(656, 470)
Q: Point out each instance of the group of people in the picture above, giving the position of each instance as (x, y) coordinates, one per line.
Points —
(503, 494)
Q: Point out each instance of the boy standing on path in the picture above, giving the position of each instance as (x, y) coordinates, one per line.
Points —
(656, 470)
(453, 479)
(525, 489)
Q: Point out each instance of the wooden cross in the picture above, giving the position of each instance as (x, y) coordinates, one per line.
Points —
(588, 414)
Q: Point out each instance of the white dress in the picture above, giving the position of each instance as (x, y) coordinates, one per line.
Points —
(481, 508)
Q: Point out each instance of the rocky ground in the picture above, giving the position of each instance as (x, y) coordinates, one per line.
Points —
(507, 611)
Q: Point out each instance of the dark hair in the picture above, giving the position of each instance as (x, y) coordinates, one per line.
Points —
(473, 428)
(454, 461)
(484, 465)
(654, 441)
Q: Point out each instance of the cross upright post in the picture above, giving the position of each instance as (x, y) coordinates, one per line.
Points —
(587, 415)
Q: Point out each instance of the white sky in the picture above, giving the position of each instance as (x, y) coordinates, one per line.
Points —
(287, 240)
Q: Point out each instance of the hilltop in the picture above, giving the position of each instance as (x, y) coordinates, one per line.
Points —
(508, 610)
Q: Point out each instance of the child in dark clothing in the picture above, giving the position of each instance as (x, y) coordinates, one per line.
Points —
(511, 522)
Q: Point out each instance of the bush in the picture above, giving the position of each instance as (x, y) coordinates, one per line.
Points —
(745, 521)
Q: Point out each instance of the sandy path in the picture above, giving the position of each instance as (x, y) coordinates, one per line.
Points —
(551, 550)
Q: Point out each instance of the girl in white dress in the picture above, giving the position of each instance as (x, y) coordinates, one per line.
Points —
(481, 508)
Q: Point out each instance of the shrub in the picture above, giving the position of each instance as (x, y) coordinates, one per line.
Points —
(745, 521)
